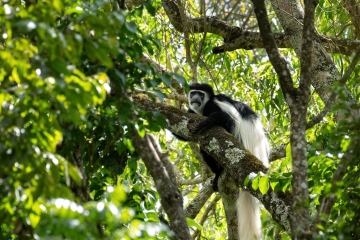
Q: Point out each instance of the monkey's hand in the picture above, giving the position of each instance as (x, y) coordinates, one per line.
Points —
(220, 118)
(214, 183)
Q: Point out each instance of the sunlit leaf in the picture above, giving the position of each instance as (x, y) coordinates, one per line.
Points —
(264, 184)
(193, 223)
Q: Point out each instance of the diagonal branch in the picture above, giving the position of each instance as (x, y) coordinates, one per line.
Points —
(194, 207)
(171, 198)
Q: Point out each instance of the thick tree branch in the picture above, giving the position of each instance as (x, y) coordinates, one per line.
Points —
(298, 112)
(171, 199)
(229, 195)
(251, 40)
(225, 148)
(297, 99)
(277, 152)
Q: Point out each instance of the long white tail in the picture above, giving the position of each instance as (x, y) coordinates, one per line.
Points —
(251, 134)
(248, 213)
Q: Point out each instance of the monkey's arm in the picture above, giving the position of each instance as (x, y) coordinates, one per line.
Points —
(216, 118)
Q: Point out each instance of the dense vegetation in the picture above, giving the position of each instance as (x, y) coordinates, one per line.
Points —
(78, 134)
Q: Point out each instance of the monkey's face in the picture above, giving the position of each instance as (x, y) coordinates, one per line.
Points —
(197, 100)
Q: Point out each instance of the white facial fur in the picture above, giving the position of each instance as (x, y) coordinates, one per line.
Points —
(199, 105)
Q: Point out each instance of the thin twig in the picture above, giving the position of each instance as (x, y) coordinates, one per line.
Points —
(187, 40)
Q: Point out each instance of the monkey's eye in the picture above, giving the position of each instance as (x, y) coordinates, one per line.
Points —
(193, 93)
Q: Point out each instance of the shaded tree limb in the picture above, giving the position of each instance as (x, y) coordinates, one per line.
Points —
(229, 194)
(298, 141)
(191, 181)
(202, 24)
(184, 22)
(171, 199)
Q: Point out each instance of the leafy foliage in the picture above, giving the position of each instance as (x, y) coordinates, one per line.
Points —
(68, 168)
(56, 61)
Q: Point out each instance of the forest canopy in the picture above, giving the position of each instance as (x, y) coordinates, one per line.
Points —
(91, 93)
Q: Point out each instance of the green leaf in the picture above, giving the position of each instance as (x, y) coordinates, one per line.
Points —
(160, 95)
(288, 151)
(255, 183)
(152, 216)
(264, 184)
(26, 25)
(274, 183)
(193, 223)
(131, 26)
(180, 78)
(247, 180)
(34, 219)
(118, 196)
(74, 173)
(165, 79)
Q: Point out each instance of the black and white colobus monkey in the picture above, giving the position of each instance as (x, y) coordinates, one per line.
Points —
(241, 121)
